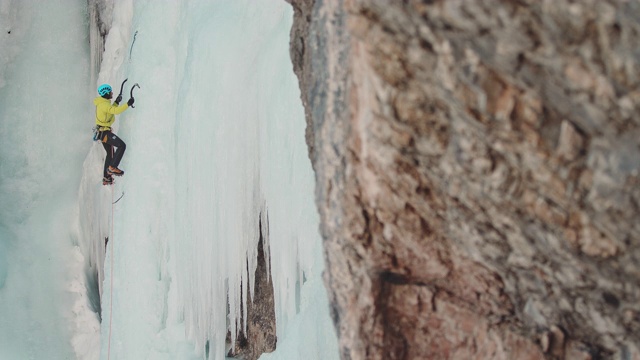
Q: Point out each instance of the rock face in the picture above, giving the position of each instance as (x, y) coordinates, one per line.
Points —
(478, 174)
(260, 336)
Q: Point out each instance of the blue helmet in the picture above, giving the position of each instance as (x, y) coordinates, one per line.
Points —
(104, 89)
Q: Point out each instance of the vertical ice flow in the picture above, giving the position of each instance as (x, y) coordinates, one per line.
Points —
(44, 112)
(215, 143)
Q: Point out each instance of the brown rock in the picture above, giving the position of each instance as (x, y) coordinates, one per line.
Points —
(477, 168)
(260, 335)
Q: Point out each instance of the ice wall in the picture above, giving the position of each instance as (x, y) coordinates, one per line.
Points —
(215, 143)
(44, 120)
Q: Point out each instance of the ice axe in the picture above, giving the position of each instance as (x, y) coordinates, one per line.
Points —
(122, 86)
(119, 98)
(131, 92)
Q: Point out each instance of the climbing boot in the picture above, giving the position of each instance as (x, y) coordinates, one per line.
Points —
(115, 171)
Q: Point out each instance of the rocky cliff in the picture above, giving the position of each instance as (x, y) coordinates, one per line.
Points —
(477, 167)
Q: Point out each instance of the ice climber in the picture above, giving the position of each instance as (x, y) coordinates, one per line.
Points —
(105, 117)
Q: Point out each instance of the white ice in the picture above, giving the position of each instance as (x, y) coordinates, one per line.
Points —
(214, 144)
(44, 82)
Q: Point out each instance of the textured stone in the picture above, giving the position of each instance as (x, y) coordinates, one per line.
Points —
(477, 174)
(260, 334)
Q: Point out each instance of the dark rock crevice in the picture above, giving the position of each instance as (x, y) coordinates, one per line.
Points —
(260, 336)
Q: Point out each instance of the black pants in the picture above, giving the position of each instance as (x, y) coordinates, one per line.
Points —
(109, 141)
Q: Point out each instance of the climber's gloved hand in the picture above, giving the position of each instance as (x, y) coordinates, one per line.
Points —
(118, 99)
(130, 102)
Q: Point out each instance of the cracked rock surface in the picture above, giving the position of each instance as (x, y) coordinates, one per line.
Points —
(477, 174)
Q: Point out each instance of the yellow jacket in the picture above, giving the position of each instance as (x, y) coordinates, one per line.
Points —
(105, 112)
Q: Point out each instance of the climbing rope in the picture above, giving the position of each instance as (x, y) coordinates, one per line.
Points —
(111, 276)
